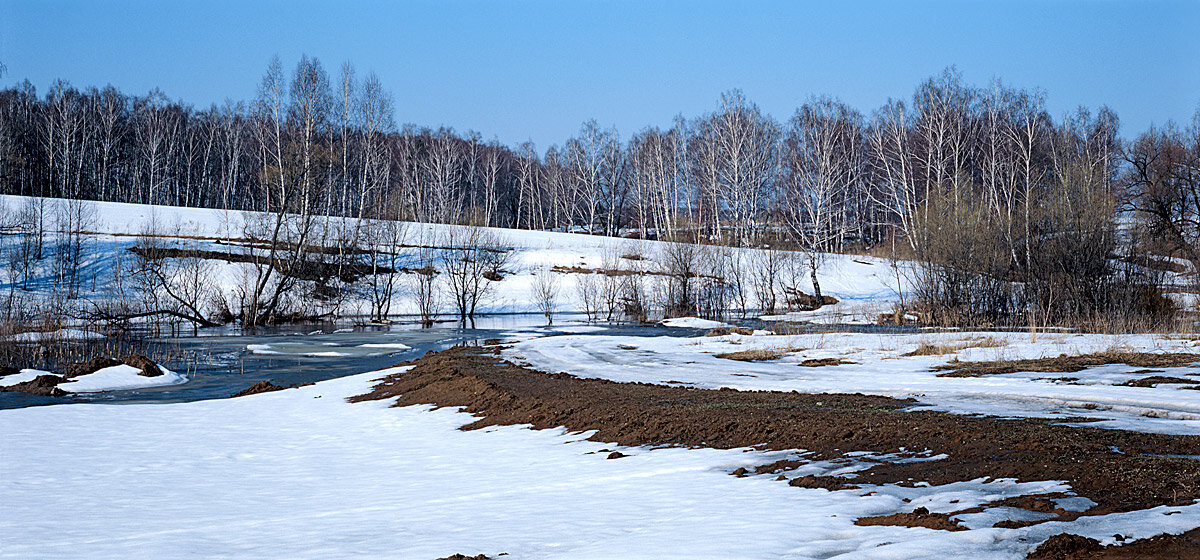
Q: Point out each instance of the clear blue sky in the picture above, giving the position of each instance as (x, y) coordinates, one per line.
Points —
(536, 70)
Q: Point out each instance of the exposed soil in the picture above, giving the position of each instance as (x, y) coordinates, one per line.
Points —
(826, 424)
(264, 387)
(148, 367)
(801, 301)
(818, 362)
(46, 385)
(722, 331)
(1064, 364)
(1154, 380)
(1065, 546)
(42, 385)
(917, 518)
(823, 482)
(759, 355)
(465, 557)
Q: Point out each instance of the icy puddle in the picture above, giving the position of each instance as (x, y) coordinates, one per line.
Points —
(303, 474)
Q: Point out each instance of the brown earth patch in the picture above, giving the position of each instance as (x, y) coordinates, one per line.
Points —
(759, 355)
(824, 482)
(1154, 380)
(827, 425)
(264, 387)
(818, 362)
(1065, 364)
(465, 557)
(919, 517)
(1065, 546)
(800, 301)
(722, 331)
(42, 385)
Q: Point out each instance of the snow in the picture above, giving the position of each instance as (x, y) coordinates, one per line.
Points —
(865, 286)
(52, 336)
(693, 323)
(302, 473)
(113, 378)
(880, 368)
(118, 378)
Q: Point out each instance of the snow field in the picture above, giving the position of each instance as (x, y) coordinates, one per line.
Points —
(301, 473)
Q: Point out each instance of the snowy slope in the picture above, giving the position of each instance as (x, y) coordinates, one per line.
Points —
(865, 285)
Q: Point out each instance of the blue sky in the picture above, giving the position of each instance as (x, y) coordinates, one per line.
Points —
(536, 70)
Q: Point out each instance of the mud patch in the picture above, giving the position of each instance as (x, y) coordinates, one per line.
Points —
(1067, 364)
(830, 483)
(826, 425)
(1155, 380)
(919, 517)
(264, 387)
(818, 362)
(42, 386)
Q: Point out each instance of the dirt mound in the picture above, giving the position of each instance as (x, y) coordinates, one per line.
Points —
(828, 425)
(260, 387)
(1154, 380)
(824, 482)
(149, 367)
(89, 367)
(6, 371)
(919, 517)
(801, 301)
(42, 385)
(818, 362)
(465, 557)
(1185, 546)
(1065, 546)
(1067, 364)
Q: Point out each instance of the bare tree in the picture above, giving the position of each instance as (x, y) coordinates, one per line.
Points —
(473, 259)
(545, 293)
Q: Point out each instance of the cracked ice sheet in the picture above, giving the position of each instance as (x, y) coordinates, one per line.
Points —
(302, 473)
(880, 369)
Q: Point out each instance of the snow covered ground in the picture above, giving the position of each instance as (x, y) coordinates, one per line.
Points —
(879, 368)
(865, 286)
(303, 474)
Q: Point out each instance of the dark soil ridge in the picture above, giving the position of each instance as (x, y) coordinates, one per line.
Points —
(1065, 546)
(827, 425)
(264, 387)
(1067, 364)
(919, 517)
(47, 385)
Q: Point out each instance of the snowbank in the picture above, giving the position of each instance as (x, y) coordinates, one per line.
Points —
(122, 377)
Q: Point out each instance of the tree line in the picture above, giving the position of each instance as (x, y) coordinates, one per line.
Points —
(1016, 216)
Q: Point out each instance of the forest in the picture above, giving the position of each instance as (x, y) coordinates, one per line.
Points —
(1011, 216)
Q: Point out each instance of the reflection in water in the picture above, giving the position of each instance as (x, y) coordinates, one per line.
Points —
(222, 361)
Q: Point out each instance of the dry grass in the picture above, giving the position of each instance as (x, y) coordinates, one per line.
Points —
(1064, 363)
(817, 362)
(722, 331)
(932, 349)
(758, 355)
